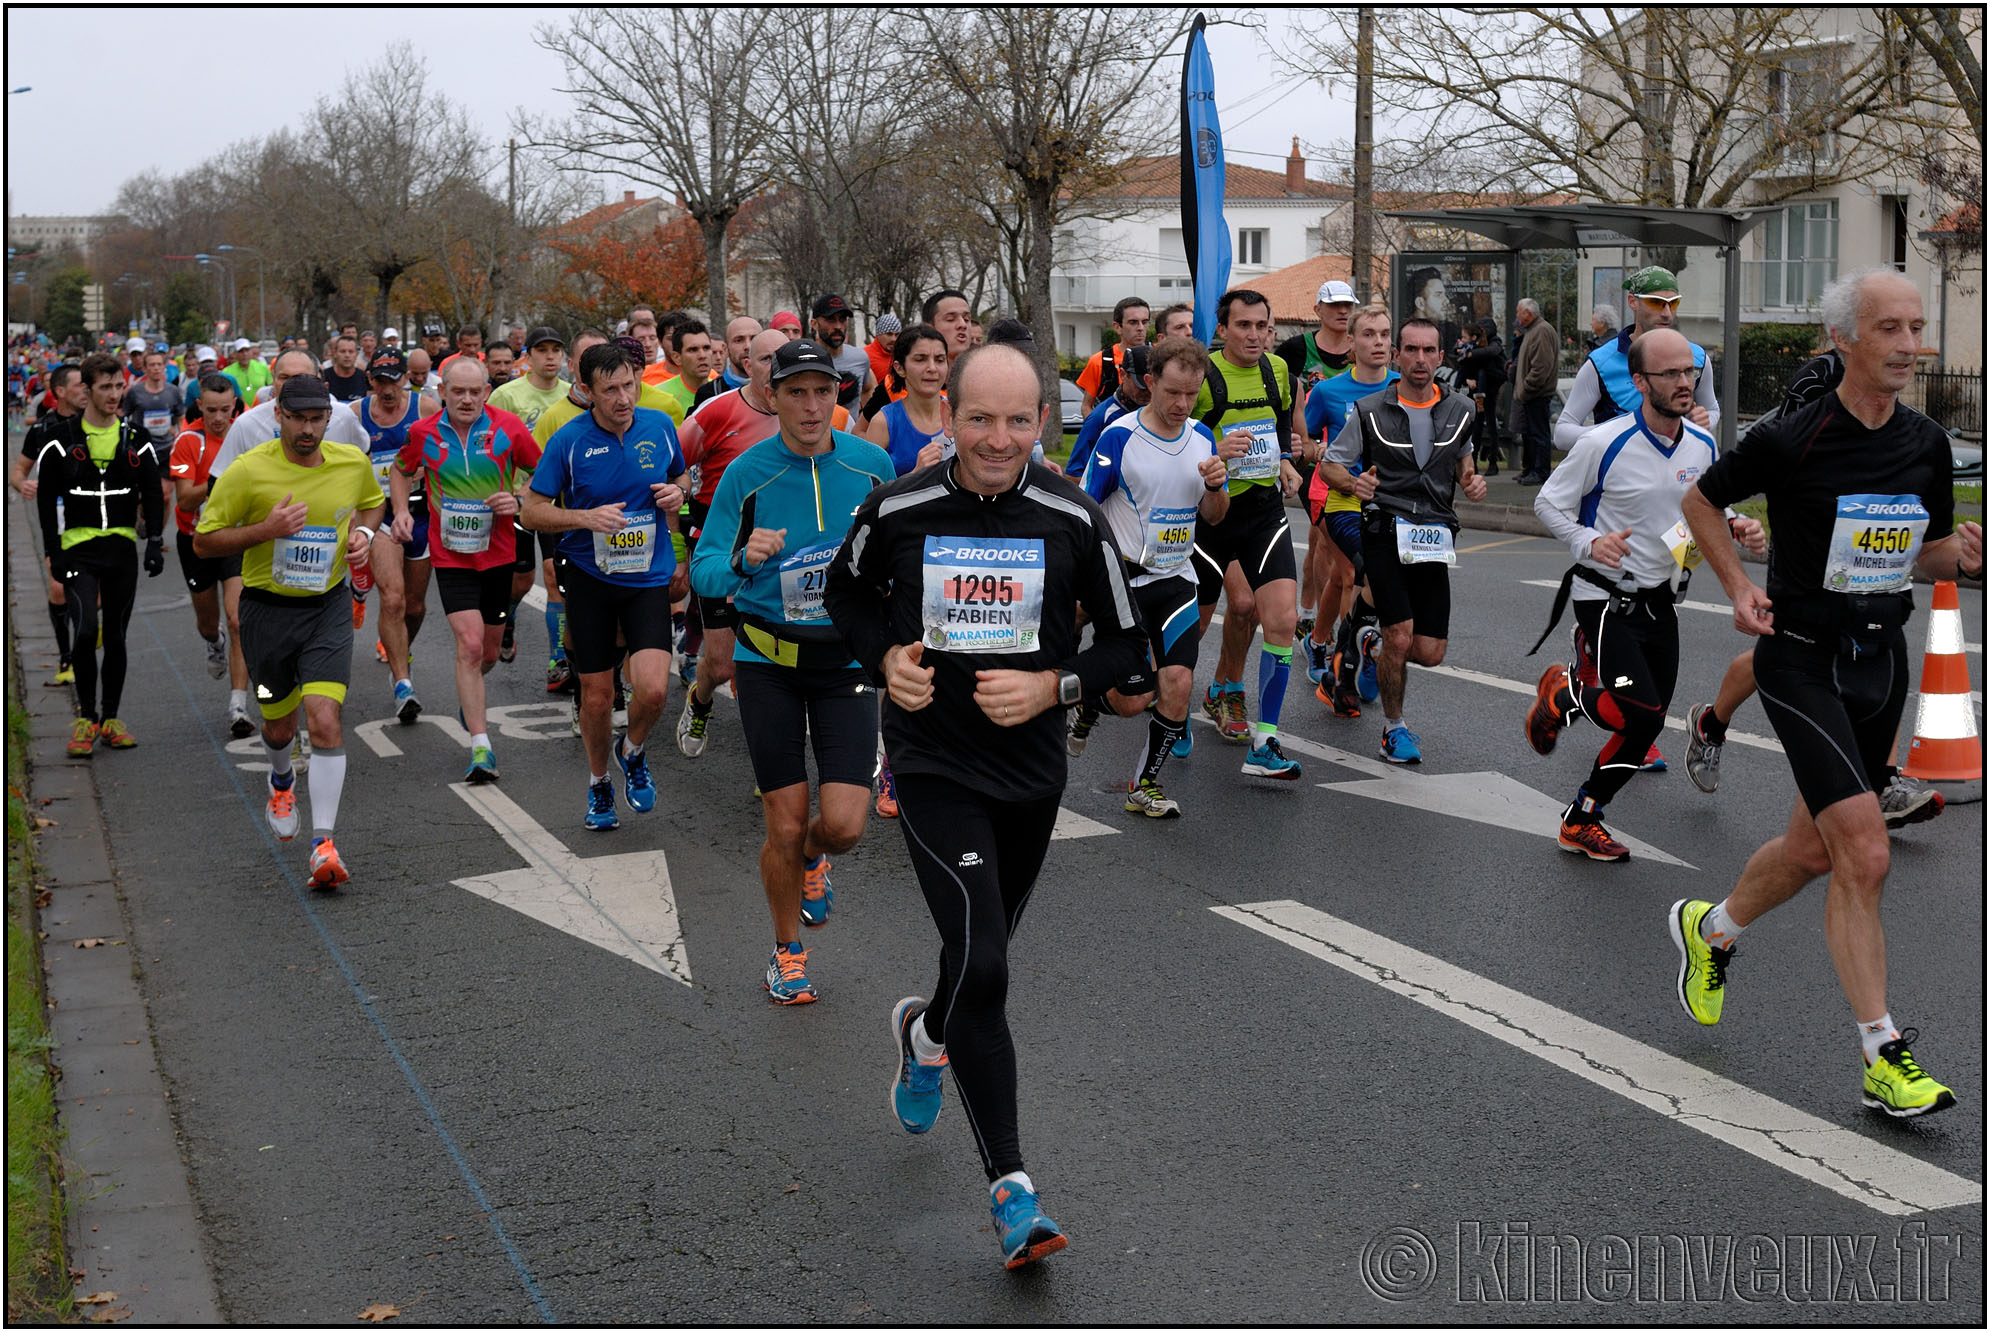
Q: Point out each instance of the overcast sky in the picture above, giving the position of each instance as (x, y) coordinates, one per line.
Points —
(169, 96)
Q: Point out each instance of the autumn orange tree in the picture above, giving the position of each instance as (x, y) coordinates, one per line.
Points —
(601, 275)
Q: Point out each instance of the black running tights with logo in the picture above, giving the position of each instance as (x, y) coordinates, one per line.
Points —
(977, 861)
(1637, 664)
(102, 578)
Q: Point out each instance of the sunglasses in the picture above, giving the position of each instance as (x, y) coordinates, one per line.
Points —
(1658, 302)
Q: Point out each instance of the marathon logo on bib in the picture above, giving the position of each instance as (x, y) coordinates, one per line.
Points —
(1874, 542)
(1424, 543)
(1261, 463)
(982, 594)
(629, 551)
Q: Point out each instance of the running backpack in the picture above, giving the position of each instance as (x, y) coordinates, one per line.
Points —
(1219, 394)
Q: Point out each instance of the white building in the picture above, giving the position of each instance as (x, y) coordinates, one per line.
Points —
(28, 233)
(1275, 220)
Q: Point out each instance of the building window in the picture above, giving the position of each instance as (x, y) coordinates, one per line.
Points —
(1894, 208)
(1251, 246)
(1314, 245)
(1799, 254)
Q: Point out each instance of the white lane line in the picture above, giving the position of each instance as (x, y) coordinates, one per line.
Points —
(1516, 687)
(621, 903)
(1846, 1163)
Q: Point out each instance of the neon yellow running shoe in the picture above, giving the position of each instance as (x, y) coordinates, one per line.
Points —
(1702, 968)
(1895, 1084)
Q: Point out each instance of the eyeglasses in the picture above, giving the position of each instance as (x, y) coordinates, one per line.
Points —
(1656, 375)
(1658, 302)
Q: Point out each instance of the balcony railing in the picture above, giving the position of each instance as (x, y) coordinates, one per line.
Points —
(1077, 293)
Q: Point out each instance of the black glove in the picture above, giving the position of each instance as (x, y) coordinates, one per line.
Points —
(155, 557)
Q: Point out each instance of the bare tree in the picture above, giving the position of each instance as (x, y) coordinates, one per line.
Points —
(381, 173)
(674, 98)
(1057, 92)
(1676, 107)
(1950, 160)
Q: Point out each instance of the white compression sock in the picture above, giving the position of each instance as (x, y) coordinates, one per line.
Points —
(322, 787)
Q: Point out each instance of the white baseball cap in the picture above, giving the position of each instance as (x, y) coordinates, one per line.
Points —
(1334, 293)
(135, 343)
(239, 343)
(204, 354)
(387, 333)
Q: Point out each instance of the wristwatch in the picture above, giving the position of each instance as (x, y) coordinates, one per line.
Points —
(1069, 690)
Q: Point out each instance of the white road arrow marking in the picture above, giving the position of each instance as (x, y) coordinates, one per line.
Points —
(1483, 797)
(622, 903)
(1070, 823)
(1847, 1163)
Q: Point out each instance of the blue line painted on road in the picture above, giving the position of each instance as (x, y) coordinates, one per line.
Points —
(358, 992)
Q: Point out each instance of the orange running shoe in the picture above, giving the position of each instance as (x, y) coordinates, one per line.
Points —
(358, 612)
(1588, 838)
(327, 870)
(1546, 718)
(117, 735)
(282, 811)
(82, 738)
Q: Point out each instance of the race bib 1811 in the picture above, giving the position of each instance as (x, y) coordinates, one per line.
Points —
(1874, 542)
(982, 594)
(303, 562)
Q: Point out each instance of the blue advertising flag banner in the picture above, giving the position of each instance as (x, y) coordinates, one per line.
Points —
(1205, 236)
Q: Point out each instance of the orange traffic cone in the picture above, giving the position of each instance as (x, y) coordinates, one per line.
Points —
(1945, 748)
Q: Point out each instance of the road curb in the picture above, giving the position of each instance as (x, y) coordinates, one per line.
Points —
(133, 1226)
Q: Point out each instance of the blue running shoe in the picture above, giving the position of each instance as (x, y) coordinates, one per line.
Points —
(601, 807)
(1181, 747)
(787, 975)
(406, 706)
(636, 778)
(816, 893)
(1268, 760)
(1399, 745)
(915, 1088)
(1367, 644)
(483, 766)
(1026, 1233)
(1319, 660)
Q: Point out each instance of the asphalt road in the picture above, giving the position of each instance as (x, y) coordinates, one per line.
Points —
(405, 1092)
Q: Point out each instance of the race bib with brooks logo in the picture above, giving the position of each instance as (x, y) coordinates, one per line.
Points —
(629, 551)
(982, 594)
(1424, 543)
(804, 575)
(1261, 462)
(1874, 542)
(304, 561)
(466, 525)
(1170, 539)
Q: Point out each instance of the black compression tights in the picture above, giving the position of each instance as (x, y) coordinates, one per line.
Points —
(114, 582)
(977, 861)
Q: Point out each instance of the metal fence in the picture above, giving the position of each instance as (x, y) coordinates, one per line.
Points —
(1953, 399)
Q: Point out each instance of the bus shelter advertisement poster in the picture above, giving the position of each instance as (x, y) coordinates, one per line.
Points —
(1455, 291)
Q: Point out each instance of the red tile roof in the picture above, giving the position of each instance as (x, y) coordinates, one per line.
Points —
(1291, 289)
(1160, 178)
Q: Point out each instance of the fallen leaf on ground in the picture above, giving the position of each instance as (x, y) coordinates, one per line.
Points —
(41, 822)
(792, 1188)
(77, 1274)
(43, 897)
(117, 1315)
(380, 1313)
(91, 943)
(101, 1297)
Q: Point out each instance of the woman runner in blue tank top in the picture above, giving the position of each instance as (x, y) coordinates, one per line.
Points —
(921, 361)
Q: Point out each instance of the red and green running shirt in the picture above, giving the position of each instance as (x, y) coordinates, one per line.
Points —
(463, 473)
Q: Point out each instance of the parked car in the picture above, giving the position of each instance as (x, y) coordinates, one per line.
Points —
(1966, 462)
(1071, 401)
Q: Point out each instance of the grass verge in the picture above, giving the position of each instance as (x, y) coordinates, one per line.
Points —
(38, 1287)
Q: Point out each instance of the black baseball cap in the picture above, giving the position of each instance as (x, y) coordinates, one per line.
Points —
(304, 393)
(544, 333)
(1014, 332)
(387, 363)
(434, 330)
(828, 306)
(803, 356)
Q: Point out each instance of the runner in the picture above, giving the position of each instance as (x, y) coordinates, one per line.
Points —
(97, 476)
(153, 405)
(733, 373)
(1153, 473)
(1103, 371)
(981, 567)
(775, 522)
(470, 457)
(610, 484)
(884, 339)
(347, 378)
(67, 395)
(717, 434)
(1342, 666)
(499, 363)
(1312, 357)
(1903, 801)
(910, 428)
(193, 454)
(319, 503)
(1254, 537)
(249, 372)
(692, 343)
(527, 397)
(1614, 502)
(1860, 497)
(420, 371)
(788, 322)
(948, 311)
(1413, 441)
(1178, 321)
(400, 566)
(831, 320)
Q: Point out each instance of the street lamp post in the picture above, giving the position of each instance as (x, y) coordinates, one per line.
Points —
(234, 321)
(262, 296)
